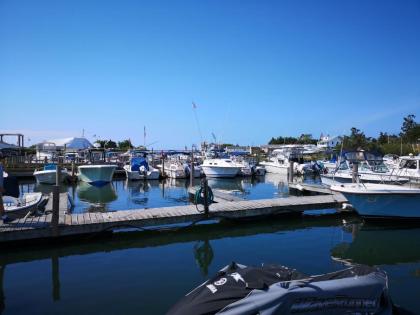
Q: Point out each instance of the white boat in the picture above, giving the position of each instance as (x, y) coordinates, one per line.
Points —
(259, 171)
(19, 207)
(368, 172)
(47, 175)
(277, 164)
(220, 168)
(382, 201)
(96, 174)
(197, 170)
(138, 168)
(175, 169)
(409, 167)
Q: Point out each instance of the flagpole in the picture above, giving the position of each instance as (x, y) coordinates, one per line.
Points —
(197, 122)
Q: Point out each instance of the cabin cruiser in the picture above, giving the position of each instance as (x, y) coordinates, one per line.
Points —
(382, 201)
(278, 163)
(96, 174)
(276, 289)
(138, 168)
(46, 151)
(47, 175)
(220, 167)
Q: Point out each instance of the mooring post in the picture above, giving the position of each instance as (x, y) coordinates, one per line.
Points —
(72, 170)
(206, 194)
(163, 167)
(291, 171)
(355, 173)
(192, 167)
(56, 200)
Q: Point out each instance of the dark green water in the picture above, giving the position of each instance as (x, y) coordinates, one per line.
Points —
(146, 272)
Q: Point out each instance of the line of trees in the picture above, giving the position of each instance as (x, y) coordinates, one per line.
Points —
(111, 144)
(407, 141)
(305, 138)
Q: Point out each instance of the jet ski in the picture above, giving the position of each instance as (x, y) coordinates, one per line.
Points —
(276, 289)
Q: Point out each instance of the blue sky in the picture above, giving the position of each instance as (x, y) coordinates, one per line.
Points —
(255, 69)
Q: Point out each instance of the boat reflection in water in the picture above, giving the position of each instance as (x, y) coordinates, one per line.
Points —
(48, 189)
(96, 197)
(378, 245)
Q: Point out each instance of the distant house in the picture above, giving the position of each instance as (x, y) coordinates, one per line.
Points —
(327, 142)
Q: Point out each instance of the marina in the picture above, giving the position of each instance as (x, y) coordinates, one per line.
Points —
(209, 157)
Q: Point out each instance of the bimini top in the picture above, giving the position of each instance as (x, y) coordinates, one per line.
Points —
(370, 188)
(275, 289)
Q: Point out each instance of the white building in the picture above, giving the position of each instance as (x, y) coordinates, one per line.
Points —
(327, 142)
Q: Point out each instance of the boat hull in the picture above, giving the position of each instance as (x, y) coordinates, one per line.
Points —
(385, 205)
(329, 179)
(133, 175)
(276, 169)
(97, 175)
(29, 203)
(220, 172)
(49, 177)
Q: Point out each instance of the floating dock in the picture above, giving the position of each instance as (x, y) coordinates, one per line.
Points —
(39, 227)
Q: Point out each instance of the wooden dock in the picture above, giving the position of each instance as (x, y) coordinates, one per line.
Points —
(39, 227)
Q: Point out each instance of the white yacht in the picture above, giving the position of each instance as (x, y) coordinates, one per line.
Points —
(138, 168)
(97, 174)
(220, 168)
(47, 175)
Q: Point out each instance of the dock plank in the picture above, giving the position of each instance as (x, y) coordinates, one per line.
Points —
(84, 223)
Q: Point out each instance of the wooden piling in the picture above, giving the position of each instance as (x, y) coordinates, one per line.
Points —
(355, 173)
(291, 171)
(192, 167)
(56, 201)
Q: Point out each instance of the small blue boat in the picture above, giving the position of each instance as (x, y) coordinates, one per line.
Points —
(381, 200)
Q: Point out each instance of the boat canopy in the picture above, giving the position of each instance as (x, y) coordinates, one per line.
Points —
(50, 167)
(137, 162)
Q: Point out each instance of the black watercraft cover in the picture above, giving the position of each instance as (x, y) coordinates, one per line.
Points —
(275, 289)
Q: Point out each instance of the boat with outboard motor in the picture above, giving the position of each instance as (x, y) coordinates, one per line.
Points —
(381, 200)
(48, 174)
(275, 289)
(19, 207)
(138, 168)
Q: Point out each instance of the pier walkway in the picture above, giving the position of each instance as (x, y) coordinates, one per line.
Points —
(39, 227)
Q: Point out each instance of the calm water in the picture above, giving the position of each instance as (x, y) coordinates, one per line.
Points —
(146, 272)
(123, 194)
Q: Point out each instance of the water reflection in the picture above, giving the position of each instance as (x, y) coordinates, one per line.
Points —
(96, 195)
(203, 254)
(375, 245)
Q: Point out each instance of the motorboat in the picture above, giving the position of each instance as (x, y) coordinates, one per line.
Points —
(197, 170)
(381, 200)
(371, 169)
(409, 168)
(275, 289)
(220, 167)
(138, 168)
(259, 170)
(96, 174)
(174, 169)
(278, 163)
(47, 175)
(19, 207)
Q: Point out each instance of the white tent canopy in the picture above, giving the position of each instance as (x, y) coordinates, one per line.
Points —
(69, 143)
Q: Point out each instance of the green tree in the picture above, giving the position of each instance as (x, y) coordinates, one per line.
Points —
(125, 144)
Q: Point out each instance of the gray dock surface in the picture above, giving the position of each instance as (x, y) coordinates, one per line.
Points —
(38, 227)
